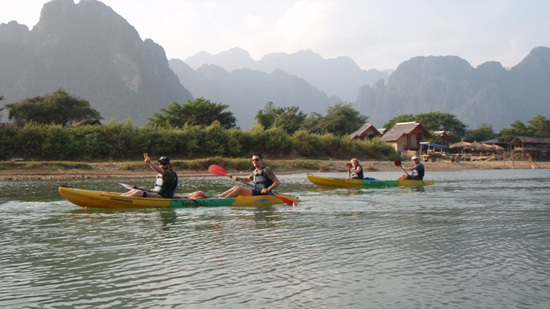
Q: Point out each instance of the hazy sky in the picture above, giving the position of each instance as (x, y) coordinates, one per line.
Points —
(379, 34)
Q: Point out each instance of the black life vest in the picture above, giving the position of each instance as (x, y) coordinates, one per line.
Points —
(261, 180)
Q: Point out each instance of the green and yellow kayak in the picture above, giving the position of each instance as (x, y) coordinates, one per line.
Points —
(89, 198)
(366, 183)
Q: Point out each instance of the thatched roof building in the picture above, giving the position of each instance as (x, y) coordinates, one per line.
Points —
(406, 136)
(367, 131)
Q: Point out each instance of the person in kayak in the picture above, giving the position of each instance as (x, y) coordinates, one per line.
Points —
(264, 181)
(356, 170)
(165, 184)
(417, 170)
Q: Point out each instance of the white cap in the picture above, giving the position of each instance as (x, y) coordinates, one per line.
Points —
(414, 158)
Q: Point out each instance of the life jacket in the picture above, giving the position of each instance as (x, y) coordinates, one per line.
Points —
(166, 186)
(261, 180)
(355, 174)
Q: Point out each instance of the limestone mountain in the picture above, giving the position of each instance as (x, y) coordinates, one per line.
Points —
(91, 52)
(487, 94)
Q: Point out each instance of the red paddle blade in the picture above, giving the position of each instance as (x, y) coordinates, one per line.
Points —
(397, 163)
(349, 165)
(289, 202)
(217, 170)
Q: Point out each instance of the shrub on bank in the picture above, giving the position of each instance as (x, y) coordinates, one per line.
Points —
(124, 140)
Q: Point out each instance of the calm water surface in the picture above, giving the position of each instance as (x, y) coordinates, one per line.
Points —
(476, 239)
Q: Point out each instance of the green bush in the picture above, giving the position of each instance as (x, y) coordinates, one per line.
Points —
(124, 140)
(308, 144)
(8, 142)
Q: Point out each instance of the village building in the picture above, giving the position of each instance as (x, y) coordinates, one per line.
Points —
(535, 148)
(405, 137)
(367, 131)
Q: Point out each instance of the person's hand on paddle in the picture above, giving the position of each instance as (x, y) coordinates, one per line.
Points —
(146, 158)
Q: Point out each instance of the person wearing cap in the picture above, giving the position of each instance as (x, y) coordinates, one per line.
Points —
(417, 170)
(165, 184)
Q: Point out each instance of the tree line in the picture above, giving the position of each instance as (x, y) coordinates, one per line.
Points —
(203, 128)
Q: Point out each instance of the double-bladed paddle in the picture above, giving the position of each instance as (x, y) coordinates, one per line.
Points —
(220, 171)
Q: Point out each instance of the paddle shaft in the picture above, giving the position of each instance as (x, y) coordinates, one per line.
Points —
(220, 171)
(398, 163)
(130, 187)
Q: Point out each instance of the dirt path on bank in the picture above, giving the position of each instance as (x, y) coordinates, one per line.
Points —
(115, 170)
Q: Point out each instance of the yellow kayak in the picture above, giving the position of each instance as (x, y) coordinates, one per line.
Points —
(100, 199)
(366, 183)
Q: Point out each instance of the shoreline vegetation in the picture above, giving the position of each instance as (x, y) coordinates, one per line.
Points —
(59, 170)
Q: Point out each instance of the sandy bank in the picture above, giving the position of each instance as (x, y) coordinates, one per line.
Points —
(115, 170)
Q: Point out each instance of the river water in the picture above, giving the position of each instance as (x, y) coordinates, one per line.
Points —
(475, 239)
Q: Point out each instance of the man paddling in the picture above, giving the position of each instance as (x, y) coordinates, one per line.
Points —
(165, 184)
(417, 170)
(264, 181)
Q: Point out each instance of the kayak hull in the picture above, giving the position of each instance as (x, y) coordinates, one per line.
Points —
(366, 183)
(99, 199)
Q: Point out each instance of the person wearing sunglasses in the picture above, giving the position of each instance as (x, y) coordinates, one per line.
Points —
(264, 181)
(166, 182)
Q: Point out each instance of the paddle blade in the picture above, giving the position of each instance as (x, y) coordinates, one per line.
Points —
(217, 170)
(129, 187)
(397, 163)
(289, 202)
(349, 165)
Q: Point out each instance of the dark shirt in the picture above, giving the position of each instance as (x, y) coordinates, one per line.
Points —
(420, 171)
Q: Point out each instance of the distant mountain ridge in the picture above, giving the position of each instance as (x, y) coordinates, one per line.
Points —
(247, 91)
(91, 52)
(340, 77)
(486, 94)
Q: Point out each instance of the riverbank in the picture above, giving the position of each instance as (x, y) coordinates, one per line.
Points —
(119, 170)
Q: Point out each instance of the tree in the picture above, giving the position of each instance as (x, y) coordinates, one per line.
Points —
(540, 126)
(517, 128)
(434, 121)
(340, 120)
(1, 108)
(483, 133)
(200, 112)
(58, 107)
(289, 119)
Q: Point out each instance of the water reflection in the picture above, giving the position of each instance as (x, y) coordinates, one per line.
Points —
(474, 239)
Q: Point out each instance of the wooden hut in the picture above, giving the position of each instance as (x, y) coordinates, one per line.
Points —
(406, 137)
(535, 148)
(367, 131)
